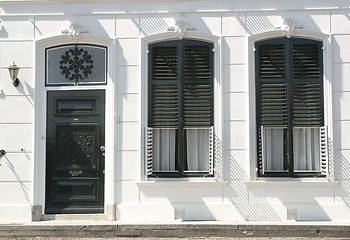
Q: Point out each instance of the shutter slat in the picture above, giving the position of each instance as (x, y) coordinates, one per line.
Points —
(164, 63)
(324, 150)
(149, 151)
(273, 104)
(271, 61)
(198, 105)
(306, 62)
(260, 151)
(165, 106)
(197, 62)
(211, 150)
(307, 104)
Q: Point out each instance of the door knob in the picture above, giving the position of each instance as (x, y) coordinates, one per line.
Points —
(102, 148)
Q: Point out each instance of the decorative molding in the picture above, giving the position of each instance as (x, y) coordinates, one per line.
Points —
(74, 31)
(181, 28)
(288, 27)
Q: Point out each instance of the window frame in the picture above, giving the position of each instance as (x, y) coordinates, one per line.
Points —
(180, 162)
(289, 81)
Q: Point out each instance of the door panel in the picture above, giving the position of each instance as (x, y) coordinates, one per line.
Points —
(75, 151)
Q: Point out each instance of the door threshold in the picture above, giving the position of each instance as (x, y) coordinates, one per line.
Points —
(92, 217)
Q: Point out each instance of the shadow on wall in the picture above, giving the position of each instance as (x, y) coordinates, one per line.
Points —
(273, 202)
(189, 200)
(19, 180)
(257, 24)
(152, 25)
(344, 187)
(158, 23)
(251, 208)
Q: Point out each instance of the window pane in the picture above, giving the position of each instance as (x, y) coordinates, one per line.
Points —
(76, 64)
(306, 149)
(164, 149)
(197, 149)
(274, 149)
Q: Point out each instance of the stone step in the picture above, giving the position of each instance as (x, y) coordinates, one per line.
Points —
(91, 217)
(77, 229)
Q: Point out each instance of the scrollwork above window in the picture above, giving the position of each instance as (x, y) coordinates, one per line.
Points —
(288, 27)
(74, 31)
(181, 28)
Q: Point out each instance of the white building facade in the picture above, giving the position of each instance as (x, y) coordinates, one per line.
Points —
(175, 110)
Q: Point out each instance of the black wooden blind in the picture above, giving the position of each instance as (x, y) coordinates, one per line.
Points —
(272, 89)
(181, 81)
(198, 89)
(271, 61)
(180, 90)
(289, 82)
(289, 89)
(164, 88)
(307, 85)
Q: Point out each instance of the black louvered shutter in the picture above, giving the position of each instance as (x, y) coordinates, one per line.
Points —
(180, 97)
(307, 85)
(163, 84)
(271, 91)
(271, 85)
(289, 88)
(198, 90)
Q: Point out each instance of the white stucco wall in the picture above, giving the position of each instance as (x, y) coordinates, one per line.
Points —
(235, 193)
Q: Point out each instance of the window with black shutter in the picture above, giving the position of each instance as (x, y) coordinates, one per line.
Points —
(291, 136)
(180, 109)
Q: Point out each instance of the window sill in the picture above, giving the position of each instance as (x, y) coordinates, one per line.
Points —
(186, 182)
(291, 183)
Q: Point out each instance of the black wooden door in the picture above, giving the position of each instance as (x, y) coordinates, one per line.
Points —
(75, 151)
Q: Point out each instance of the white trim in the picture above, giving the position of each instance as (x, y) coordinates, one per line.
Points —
(40, 101)
(327, 61)
(187, 182)
(290, 183)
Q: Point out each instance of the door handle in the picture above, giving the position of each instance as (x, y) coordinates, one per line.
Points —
(75, 173)
(102, 148)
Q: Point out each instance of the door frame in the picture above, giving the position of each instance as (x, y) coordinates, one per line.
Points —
(40, 103)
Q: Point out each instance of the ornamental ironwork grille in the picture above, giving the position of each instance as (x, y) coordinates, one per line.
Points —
(78, 64)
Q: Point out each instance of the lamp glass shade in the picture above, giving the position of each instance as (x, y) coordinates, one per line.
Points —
(13, 69)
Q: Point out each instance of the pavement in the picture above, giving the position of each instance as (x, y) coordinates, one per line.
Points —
(191, 230)
(269, 238)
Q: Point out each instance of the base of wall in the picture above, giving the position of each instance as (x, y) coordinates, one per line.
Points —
(160, 212)
(15, 213)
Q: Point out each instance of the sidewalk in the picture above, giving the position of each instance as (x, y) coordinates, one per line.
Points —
(89, 229)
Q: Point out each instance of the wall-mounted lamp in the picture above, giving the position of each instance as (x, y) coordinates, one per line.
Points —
(13, 69)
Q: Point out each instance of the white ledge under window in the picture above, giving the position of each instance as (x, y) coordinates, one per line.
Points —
(292, 183)
(186, 182)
